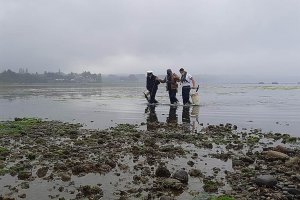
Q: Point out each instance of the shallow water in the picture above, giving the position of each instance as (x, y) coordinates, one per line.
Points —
(269, 107)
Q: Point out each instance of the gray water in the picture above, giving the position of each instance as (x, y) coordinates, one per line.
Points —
(273, 108)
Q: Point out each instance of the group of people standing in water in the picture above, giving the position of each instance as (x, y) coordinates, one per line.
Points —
(171, 80)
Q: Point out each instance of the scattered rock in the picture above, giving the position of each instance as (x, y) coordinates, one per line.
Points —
(266, 180)
(190, 163)
(210, 186)
(22, 196)
(195, 173)
(65, 177)
(24, 185)
(24, 175)
(181, 175)
(172, 184)
(247, 159)
(41, 172)
(275, 155)
(162, 171)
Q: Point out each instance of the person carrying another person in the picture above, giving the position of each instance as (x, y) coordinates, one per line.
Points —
(171, 79)
(152, 86)
(186, 80)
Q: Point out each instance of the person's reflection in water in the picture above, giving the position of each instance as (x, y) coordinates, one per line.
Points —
(186, 120)
(172, 119)
(152, 120)
(195, 118)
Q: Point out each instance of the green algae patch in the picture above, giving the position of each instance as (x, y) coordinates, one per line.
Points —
(18, 126)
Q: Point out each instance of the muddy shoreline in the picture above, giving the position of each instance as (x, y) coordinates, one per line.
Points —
(57, 160)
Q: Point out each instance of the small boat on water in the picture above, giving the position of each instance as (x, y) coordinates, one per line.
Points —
(274, 82)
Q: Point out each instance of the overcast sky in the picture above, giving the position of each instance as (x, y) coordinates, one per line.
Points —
(131, 36)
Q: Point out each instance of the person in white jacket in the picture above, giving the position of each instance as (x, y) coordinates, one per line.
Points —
(187, 83)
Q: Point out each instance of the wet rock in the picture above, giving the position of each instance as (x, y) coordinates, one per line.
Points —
(91, 192)
(22, 196)
(194, 156)
(283, 149)
(24, 175)
(111, 163)
(266, 180)
(172, 184)
(293, 191)
(167, 148)
(251, 189)
(149, 142)
(294, 163)
(275, 155)
(41, 172)
(195, 173)
(181, 175)
(146, 171)
(24, 185)
(65, 177)
(190, 163)
(210, 186)
(247, 159)
(162, 171)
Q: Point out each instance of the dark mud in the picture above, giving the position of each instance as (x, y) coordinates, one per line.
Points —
(56, 160)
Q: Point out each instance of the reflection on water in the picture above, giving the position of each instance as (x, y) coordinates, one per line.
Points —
(172, 118)
(189, 121)
(272, 108)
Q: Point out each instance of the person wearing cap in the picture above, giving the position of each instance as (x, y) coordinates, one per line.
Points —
(186, 81)
(171, 79)
(152, 86)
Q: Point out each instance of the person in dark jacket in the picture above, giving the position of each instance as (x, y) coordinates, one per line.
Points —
(152, 86)
(171, 79)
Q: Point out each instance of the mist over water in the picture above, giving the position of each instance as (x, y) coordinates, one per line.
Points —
(268, 107)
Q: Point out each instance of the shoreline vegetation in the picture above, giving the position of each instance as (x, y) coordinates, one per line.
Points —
(23, 76)
(166, 161)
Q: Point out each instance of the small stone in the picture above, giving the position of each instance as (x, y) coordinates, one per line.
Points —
(194, 156)
(22, 196)
(65, 177)
(162, 171)
(190, 163)
(293, 191)
(24, 185)
(247, 159)
(41, 172)
(195, 173)
(267, 180)
(24, 175)
(181, 175)
(172, 184)
(275, 155)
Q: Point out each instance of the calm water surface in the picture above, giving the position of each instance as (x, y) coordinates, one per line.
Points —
(269, 107)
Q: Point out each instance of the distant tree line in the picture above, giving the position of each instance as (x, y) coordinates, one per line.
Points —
(9, 76)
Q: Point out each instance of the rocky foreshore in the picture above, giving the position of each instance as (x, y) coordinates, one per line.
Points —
(57, 160)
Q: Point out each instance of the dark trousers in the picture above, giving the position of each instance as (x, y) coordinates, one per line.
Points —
(186, 94)
(172, 96)
(152, 96)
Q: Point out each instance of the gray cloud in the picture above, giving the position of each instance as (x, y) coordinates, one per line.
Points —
(131, 36)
